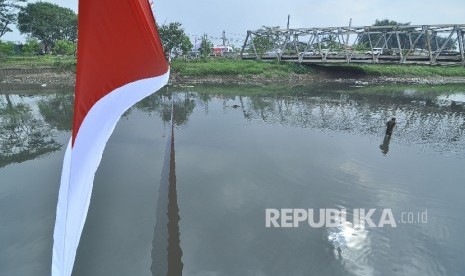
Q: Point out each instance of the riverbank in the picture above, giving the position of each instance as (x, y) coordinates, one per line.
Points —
(56, 72)
(267, 73)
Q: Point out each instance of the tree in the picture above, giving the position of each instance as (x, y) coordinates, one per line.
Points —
(174, 40)
(266, 40)
(392, 43)
(7, 48)
(205, 47)
(162, 104)
(404, 41)
(48, 23)
(8, 14)
(330, 42)
(57, 111)
(23, 133)
(263, 44)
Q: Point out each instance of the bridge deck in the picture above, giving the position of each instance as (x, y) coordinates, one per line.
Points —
(364, 59)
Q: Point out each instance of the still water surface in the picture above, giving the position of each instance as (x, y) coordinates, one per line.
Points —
(311, 148)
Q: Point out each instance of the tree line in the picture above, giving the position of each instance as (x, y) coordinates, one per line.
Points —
(50, 28)
(403, 39)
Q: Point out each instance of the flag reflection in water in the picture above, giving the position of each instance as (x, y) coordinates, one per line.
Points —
(166, 250)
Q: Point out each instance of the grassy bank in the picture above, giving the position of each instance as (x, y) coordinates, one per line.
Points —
(228, 67)
(67, 63)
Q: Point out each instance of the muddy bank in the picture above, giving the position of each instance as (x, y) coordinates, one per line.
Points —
(39, 79)
(35, 79)
(303, 79)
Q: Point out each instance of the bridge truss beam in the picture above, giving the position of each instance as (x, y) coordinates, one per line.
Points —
(406, 44)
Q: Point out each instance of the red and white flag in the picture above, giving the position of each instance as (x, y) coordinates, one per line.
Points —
(120, 61)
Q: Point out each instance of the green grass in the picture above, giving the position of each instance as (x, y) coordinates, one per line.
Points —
(60, 62)
(225, 67)
(249, 68)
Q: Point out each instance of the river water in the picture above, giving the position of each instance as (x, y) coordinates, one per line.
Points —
(240, 151)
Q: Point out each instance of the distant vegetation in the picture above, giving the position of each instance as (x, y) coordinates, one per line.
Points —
(174, 39)
(50, 29)
(48, 23)
(404, 40)
(52, 35)
(234, 67)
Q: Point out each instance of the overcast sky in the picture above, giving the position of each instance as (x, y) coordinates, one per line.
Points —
(237, 16)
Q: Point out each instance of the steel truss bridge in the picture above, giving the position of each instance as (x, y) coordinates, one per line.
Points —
(405, 44)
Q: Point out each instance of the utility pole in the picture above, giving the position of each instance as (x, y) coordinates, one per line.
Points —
(288, 19)
(205, 48)
(224, 38)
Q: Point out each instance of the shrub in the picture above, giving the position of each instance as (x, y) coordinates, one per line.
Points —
(7, 48)
(64, 47)
(32, 47)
